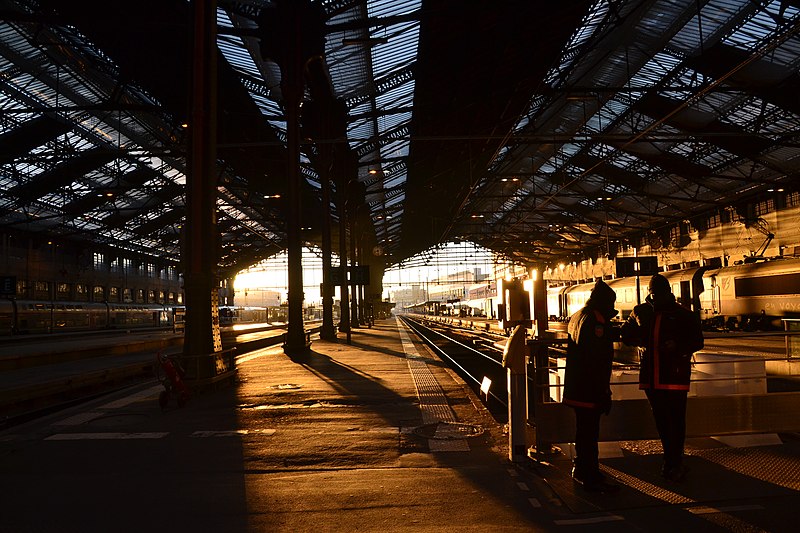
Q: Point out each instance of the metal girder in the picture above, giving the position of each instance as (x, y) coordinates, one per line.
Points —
(62, 174)
(773, 83)
(29, 135)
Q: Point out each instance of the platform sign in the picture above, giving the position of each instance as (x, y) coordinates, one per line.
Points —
(358, 275)
(646, 265)
(8, 285)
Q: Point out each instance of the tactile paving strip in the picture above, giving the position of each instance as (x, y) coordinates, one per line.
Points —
(432, 401)
(766, 464)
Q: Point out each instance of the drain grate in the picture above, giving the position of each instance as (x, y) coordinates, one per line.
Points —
(286, 386)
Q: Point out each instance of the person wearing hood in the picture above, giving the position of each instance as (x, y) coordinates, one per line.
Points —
(667, 335)
(590, 351)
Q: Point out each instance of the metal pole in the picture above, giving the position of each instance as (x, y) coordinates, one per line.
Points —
(328, 331)
(354, 261)
(344, 305)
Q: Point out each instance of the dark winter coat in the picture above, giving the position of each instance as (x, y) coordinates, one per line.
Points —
(669, 334)
(590, 352)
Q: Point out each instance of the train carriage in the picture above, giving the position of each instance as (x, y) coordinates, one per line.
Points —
(751, 295)
(765, 292)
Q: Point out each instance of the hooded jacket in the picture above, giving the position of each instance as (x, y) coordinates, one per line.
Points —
(590, 351)
(668, 334)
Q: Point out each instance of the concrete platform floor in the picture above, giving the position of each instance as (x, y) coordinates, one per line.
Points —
(374, 436)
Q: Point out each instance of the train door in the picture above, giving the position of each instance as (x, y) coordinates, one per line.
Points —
(715, 296)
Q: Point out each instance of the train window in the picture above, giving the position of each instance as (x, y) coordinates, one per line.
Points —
(22, 287)
(62, 291)
(81, 292)
(768, 285)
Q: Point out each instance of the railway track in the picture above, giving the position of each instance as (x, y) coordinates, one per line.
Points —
(473, 356)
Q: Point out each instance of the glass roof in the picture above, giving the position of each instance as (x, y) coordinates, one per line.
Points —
(638, 108)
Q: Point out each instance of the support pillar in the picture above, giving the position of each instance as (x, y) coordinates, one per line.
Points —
(297, 343)
(328, 330)
(202, 336)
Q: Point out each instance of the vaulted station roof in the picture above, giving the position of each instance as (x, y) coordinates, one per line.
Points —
(541, 130)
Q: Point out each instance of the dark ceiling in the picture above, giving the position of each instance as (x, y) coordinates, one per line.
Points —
(542, 130)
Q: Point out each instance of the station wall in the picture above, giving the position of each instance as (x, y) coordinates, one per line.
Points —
(66, 271)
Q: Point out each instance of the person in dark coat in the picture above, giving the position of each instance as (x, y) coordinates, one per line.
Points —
(590, 351)
(667, 335)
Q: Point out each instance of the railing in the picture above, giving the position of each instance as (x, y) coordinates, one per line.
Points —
(207, 369)
(736, 403)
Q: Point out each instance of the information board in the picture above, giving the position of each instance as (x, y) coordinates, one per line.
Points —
(646, 265)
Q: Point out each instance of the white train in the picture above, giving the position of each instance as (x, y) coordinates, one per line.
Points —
(748, 296)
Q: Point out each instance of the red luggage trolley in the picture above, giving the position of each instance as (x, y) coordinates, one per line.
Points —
(171, 377)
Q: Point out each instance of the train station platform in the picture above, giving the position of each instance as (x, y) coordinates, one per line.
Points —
(378, 435)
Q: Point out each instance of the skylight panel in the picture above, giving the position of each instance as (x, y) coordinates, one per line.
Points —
(787, 54)
(401, 48)
(713, 156)
(397, 148)
(590, 26)
(359, 132)
(392, 120)
(780, 123)
(386, 8)
(755, 30)
(237, 55)
(397, 96)
(714, 16)
(269, 108)
(658, 68)
(223, 20)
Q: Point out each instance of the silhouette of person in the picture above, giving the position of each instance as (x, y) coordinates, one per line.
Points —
(590, 351)
(668, 334)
